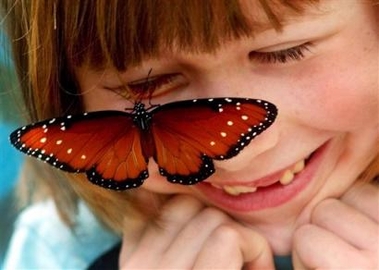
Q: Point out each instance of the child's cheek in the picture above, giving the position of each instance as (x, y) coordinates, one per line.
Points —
(338, 98)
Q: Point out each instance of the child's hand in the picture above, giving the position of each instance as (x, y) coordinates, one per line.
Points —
(193, 236)
(343, 234)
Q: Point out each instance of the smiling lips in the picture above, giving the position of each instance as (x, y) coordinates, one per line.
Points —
(286, 178)
(266, 192)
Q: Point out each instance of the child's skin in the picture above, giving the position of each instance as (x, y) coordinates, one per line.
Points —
(327, 98)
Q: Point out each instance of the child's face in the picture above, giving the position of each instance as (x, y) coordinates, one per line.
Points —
(326, 91)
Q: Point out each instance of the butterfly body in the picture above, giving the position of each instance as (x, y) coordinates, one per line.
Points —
(142, 116)
(114, 147)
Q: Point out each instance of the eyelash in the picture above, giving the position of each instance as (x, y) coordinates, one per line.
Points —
(296, 53)
(155, 85)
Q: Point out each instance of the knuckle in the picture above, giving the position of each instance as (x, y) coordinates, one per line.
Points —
(213, 214)
(322, 209)
(179, 207)
(182, 200)
(301, 234)
(327, 203)
(225, 234)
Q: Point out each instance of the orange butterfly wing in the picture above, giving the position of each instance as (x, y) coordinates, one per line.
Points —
(188, 135)
(105, 144)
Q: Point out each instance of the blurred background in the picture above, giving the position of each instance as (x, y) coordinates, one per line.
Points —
(10, 159)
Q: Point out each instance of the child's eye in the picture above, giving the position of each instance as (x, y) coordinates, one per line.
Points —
(156, 86)
(296, 53)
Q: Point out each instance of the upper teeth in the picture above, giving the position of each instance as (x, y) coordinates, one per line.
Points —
(285, 179)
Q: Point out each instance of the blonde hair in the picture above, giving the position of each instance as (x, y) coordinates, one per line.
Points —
(52, 37)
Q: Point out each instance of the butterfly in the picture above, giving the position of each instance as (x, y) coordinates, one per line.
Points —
(113, 148)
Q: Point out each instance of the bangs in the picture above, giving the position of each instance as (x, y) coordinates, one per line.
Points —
(122, 33)
(53, 38)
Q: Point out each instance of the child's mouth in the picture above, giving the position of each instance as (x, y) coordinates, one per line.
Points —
(267, 192)
(286, 178)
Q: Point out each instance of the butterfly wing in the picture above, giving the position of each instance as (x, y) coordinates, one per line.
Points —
(189, 134)
(106, 145)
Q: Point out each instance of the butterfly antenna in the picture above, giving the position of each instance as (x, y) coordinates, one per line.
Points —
(146, 92)
(149, 90)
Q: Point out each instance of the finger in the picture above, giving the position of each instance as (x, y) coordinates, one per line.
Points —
(175, 214)
(255, 249)
(222, 250)
(315, 247)
(132, 234)
(191, 238)
(349, 224)
(365, 198)
(157, 236)
(232, 246)
(297, 262)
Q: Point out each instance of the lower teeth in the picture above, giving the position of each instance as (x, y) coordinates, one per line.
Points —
(238, 190)
(235, 191)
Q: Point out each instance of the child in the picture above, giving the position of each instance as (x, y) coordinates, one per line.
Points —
(300, 190)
